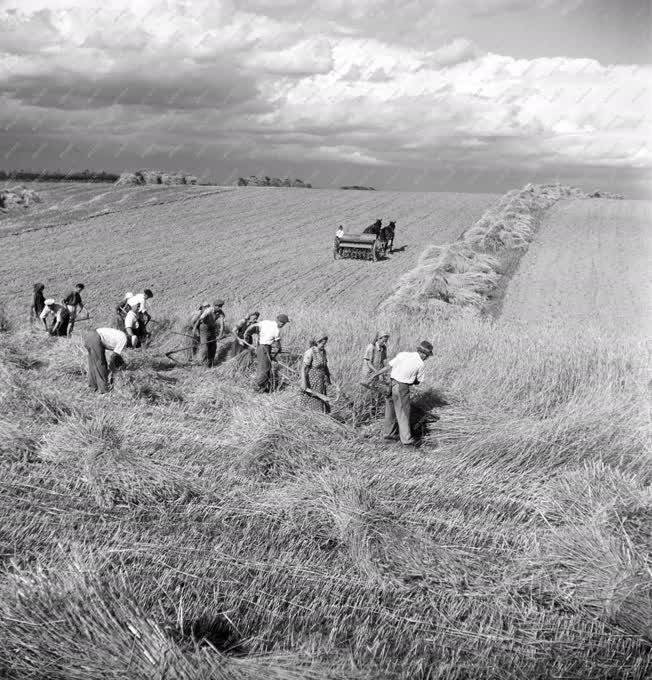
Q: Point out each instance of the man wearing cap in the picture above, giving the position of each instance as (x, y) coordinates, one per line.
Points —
(204, 330)
(405, 369)
(97, 342)
(60, 314)
(269, 335)
(138, 302)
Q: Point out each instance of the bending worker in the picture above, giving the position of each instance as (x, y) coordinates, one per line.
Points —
(269, 345)
(61, 316)
(100, 373)
(405, 369)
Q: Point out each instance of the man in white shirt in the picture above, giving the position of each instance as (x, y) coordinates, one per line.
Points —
(269, 334)
(338, 236)
(138, 302)
(405, 369)
(97, 342)
(61, 317)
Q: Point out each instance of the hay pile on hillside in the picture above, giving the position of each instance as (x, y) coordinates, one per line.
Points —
(467, 272)
(142, 177)
(17, 197)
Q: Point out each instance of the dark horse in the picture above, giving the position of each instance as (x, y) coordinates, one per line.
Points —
(374, 228)
(387, 235)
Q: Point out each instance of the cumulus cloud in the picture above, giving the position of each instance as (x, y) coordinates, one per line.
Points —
(307, 57)
(253, 78)
(455, 52)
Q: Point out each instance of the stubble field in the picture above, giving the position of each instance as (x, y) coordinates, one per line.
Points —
(590, 262)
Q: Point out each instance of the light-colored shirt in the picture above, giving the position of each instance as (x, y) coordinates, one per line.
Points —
(339, 233)
(112, 339)
(55, 310)
(375, 358)
(131, 320)
(269, 332)
(138, 299)
(407, 367)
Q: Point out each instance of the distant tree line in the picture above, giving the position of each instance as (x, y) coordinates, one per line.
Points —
(358, 188)
(58, 176)
(254, 181)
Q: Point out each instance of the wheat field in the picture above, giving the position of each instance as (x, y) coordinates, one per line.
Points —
(183, 527)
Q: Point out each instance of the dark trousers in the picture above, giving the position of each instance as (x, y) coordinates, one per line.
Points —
(207, 344)
(264, 376)
(98, 371)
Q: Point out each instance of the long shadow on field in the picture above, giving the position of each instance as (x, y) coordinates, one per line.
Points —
(421, 411)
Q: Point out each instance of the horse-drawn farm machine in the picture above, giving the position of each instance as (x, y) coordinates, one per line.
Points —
(372, 244)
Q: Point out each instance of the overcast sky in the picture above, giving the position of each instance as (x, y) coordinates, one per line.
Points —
(468, 95)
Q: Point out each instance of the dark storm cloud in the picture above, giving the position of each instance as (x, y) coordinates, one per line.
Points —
(151, 86)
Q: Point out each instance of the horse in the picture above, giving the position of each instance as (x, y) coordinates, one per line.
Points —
(387, 235)
(374, 228)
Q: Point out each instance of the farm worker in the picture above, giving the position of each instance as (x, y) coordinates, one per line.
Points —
(375, 355)
(100, 374)
(315, 375)
(38, 302)
(241, 339)
(205, 330)
(132, 328)
(405, 369)
(74, 305)
(121, 310)
(269, 334)
(338, 236)
(60, 316)
(139, 302)
(220, 317)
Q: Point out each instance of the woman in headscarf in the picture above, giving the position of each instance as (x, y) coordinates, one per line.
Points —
(315, 375)
(241, 337)
(38, 302)
(375, 355)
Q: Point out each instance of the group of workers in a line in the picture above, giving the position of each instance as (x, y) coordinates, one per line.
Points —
(262, 338)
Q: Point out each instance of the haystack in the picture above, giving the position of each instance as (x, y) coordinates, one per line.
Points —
(128, 179)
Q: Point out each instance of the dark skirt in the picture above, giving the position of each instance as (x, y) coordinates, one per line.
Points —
(98, 370)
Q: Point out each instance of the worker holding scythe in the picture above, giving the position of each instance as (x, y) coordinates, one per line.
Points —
(269, 345)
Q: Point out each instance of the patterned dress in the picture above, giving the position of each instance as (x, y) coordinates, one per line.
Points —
(316, 361)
